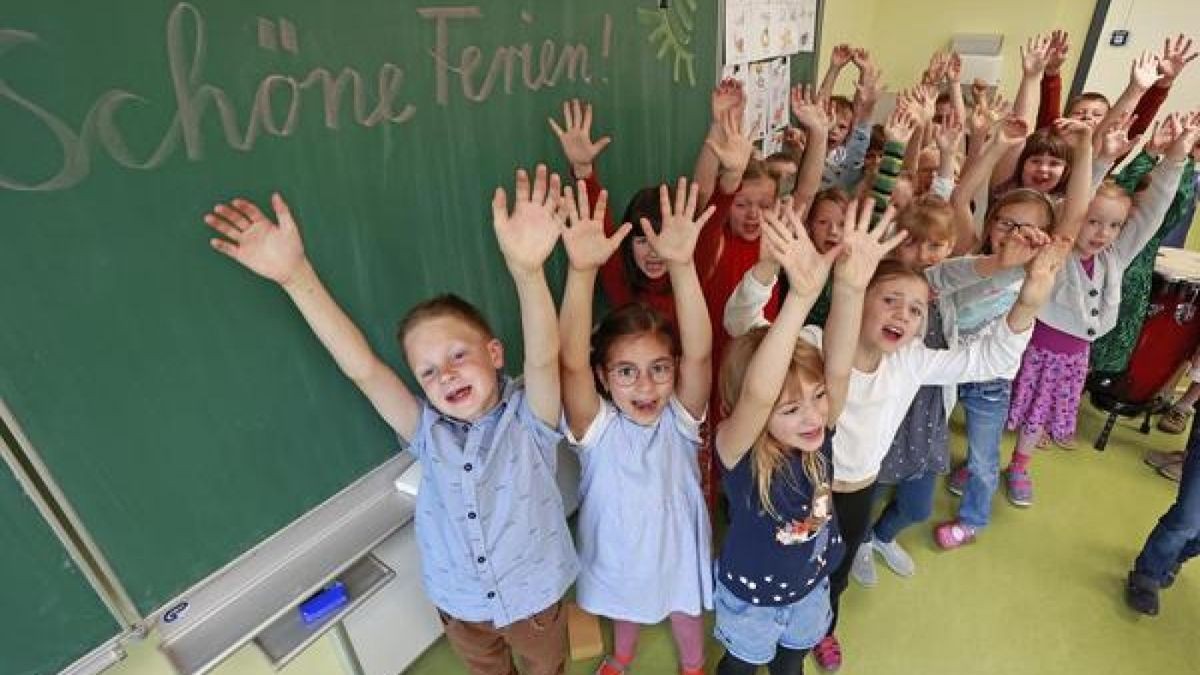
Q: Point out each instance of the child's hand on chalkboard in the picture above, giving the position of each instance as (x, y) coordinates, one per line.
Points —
(270, 250)
(588, 248)
(527, 235)
(680, 226)
(576, 138)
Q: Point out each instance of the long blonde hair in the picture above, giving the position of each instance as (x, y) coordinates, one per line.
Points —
(768, 456)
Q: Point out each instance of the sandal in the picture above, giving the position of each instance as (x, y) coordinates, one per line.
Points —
(953, 534)
(828, 653)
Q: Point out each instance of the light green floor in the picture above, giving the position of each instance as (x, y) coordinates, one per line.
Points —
(1040, 592)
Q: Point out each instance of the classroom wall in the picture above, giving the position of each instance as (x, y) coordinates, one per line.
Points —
(902, 35)
(1148, 21)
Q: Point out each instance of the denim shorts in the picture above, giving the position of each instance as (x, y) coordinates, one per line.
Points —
(751, 632)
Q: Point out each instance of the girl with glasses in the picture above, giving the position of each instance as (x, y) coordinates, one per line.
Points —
(634, 399)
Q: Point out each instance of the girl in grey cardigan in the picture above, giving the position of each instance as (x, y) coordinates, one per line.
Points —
(1084, 303)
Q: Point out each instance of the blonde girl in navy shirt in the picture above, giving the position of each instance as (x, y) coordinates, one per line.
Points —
(772, 594)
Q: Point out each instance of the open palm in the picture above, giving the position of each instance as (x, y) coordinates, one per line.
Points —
(271, 250)
(588, 247)
(862, 246)
(680, 229)
(528, 234)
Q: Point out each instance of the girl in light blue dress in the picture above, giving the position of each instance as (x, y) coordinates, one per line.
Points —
(634, 396)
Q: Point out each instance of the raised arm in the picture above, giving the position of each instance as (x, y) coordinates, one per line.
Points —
(842, 54)
(575, 137)
(1151, 207)
(275, 251)
(765, 374)
(727, 96)
(897, 133)
(1008, 134)
(954, 84)
(815, 118)
(676, 245)
(588, 247)
(1035, 55)
(1177, 53)
(1050, 105)
(1143, 74)
(1079, 184)
(862, 249)
(527, 235)
(948, 138)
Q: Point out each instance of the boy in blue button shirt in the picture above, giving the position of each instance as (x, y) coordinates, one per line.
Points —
(496, 554)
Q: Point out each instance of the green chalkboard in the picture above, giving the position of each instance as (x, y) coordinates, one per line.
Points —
(51, 615)
(180, 403)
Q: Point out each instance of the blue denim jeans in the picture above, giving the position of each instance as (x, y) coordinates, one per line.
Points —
(912, 502)
(1176, 537)
(986, 408)
(752, 632)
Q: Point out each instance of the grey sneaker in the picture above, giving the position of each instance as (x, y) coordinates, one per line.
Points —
(863, 567)
(895, 556)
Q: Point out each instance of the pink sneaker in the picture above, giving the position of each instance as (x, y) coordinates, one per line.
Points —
(953, 534)
(828, 653)
(1020, 485)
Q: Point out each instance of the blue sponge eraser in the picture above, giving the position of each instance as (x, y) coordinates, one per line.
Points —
(325, 602)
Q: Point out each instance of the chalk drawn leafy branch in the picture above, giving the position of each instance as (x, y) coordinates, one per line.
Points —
(672, 32)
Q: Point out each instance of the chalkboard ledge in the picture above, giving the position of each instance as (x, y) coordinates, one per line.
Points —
(216, 617)
(99, 659)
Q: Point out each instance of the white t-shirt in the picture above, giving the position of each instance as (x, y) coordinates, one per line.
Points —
(877, 402)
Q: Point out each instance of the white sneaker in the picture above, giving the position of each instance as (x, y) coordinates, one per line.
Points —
(896, 557)
(863, 567)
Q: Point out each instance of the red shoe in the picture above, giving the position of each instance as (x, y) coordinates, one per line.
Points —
(828, 653)
(610, 666)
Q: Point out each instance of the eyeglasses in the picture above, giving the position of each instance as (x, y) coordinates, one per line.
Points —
(1005, 225)
(627, 374)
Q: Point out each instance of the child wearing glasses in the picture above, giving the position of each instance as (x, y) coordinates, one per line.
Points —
(634, 396)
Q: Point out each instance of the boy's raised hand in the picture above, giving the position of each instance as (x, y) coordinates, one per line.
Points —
(680, 230)
(863, 247)
(527, 235)
(588, 248)
(271, 250)
(576, 137)
(1057, 51)
(788, 244)
(1175, 56)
